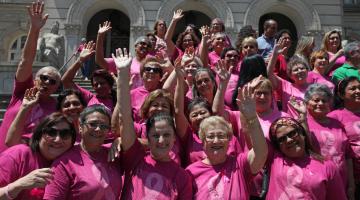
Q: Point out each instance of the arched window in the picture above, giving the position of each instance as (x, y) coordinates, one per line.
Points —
(16, 48)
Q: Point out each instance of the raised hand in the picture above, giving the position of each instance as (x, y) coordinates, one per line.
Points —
(35, 12)
(114, 151)
(178, 14)
(104, 28)
(279, 47)
(36, 179)
(122, 59)
(87, 52)
(223, 73)
(205, 32)
(31, 97)
(246, 99)
(188, 56)
(298, 105)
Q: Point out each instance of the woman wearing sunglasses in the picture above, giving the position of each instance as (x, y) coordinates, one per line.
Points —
(151, 74)
(83, 172)
(46, 80)
(24, 170)
(297, 171)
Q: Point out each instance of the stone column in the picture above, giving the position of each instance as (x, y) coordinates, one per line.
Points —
(73, 38)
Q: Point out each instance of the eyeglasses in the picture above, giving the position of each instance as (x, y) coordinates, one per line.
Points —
(211, 138)
(292, 134)
(51, 133)
(45, 78)
(153, 69)
(95, 125)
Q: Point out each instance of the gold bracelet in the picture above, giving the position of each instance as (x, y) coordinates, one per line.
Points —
(251, 121)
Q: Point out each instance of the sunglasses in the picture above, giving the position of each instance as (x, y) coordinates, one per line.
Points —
(51, 133)
(292, 134)
(95, 125)
(152, 69)
(45, 78)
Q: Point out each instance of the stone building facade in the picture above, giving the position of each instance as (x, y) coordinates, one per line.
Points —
(132, 18)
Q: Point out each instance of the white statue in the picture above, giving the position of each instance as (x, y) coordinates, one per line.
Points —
(51, 47)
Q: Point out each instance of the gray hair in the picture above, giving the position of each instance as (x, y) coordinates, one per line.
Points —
(295, 60)
(141, 38)
(92, 109)
(349, 48)
(319, 89)
(50, 69)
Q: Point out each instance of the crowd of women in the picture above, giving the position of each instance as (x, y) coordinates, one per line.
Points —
(194, 119)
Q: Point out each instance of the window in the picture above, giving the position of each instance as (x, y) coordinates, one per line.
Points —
(16, 49)
(351, 2)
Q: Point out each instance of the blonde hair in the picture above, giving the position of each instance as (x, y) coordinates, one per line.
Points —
(249, 40)
(326, 38)
(304, 42)
(214, 121)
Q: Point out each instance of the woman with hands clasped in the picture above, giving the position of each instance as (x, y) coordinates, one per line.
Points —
(224, 176)
(24, 170)
(142, 170)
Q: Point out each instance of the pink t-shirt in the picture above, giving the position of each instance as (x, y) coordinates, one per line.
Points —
(213, 59)
(351, 122)
(137, 96)
(134, 71)
(147, 178)
(18, 161)
(80, 176)
(338, 63)
(230, 89)
(287, 90)
(92, 99)
(331, 141)
(314, 77)
(229, 180)
(38, 112)
(176, 152)
(304, 178)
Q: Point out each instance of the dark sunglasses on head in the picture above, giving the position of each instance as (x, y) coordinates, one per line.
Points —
(152, 69)
(52, 133)
(45, 78)
(292, 134)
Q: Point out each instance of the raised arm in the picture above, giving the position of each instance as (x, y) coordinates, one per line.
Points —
(170, 32)
(224, 76)
(300, 108)
(180, 118)
(37, 21)
(85, 54)
(332, 61)
(123, 62)
(246, 103)
(13, 136)
(278, 49)
(204, 47)
(99, 55)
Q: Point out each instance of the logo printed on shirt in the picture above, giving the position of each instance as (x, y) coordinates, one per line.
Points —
(294, 179)
(216, 187)
(328, 149)
(102, 177)
(154, 184)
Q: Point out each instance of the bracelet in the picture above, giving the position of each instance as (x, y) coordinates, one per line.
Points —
(251, 121)
(7, 193)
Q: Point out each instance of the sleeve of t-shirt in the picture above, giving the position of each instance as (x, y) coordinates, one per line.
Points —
(243, 162)
(131, 157)
(86, 94)
(111, 65)
(338, 75)
(8, 168)
(20, 87)
(185, 186)
(333, 191)
(59, 187)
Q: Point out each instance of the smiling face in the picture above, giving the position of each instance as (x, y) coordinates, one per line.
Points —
(263, 99)
(101, 86)
(47, 82)
(318, 106)
(216, 142)
(299, 74)
(291, 142)
(151, 74)
(232, 58)
(161, 28)
(204, 84)
(249, 49)
(160, 104)
(51, 146)
(287, 39)
(142, 48)
(72, 107)
(187, 41)
(197, 114)
(94, 130)
(161, 139)
(352, 94)
(218, 42)
(334, 41)
(321, 63)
